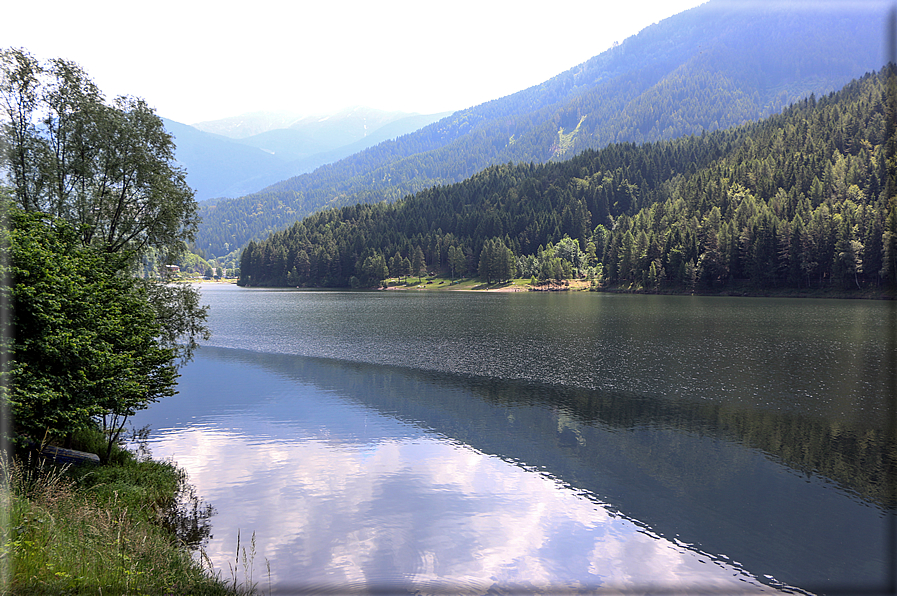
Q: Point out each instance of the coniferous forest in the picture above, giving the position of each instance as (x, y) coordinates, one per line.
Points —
(798, 200)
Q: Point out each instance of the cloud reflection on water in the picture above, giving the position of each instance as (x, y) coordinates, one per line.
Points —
(416, 511)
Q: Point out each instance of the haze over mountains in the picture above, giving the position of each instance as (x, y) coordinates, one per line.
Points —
(235, 156)
(716, 66)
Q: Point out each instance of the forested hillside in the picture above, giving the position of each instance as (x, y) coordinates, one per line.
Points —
(718, 65)
(800, 200)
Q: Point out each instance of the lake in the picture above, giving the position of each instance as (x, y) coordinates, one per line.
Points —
(473, 443)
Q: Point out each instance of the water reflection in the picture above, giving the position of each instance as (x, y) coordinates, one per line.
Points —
(423, 513)
(361, 475)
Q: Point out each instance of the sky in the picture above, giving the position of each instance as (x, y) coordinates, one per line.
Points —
(199, 61)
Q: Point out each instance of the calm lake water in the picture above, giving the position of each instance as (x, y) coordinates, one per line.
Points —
(473, 443)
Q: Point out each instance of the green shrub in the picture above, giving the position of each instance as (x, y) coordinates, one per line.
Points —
(92, 531)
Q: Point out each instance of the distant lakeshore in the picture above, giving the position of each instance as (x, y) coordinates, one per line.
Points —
(583, 285)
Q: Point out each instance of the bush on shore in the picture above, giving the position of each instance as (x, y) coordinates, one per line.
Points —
(122, 528)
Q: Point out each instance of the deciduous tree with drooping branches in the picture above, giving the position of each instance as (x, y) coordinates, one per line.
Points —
(94, 188)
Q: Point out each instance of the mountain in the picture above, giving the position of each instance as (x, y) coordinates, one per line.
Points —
(247, 125)
(226, 164)
(801, 200)
(357, 128)
(221, 167)
(724, 63)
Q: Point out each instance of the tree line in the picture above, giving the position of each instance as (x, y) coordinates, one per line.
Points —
(800, 200)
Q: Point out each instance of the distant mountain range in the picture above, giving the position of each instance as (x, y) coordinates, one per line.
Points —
(722, 64)
(236, 156)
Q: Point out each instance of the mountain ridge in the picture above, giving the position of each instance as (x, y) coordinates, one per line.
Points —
(220, 167)
(718, 65)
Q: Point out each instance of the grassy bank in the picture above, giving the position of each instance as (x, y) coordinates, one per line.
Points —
(733, 288)
(121, 528)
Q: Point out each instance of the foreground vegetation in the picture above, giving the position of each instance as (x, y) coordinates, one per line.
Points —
(123, 528)
(95, 198)
(95, 193)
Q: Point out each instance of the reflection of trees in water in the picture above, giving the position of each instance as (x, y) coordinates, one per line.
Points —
(185, 515)
(189, 518)
(857, 457)
(704, 473)
(508, 418)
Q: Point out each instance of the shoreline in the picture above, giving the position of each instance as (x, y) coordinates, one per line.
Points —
(582, 285)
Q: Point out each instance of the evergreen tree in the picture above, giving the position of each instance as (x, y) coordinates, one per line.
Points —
(418, 264)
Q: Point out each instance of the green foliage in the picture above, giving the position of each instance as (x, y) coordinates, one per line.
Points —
(109, 169)
(191, 263)
(418, 263)
(457, 262)
(86, 341)
(373, 271)
(798, 200)
(98, 197)
(497, 263)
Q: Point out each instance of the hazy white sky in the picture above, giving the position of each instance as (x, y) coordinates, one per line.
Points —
(196, 61)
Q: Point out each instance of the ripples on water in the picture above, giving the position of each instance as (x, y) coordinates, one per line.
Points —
(575, 442)
(755, 351)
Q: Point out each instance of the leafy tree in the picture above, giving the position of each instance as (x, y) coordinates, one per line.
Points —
(108, 169)
(180, 316)
(405, 267)
(96, 196)
(486, 268)
(568, 250)
(626, 265)
(88, 345)
(889, 245)
(497, 262)
(848, 262)
(374, 270)
(457, 261)
(395, 265)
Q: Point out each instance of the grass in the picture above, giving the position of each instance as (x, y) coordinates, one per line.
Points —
(422, 283)
(101, 530)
